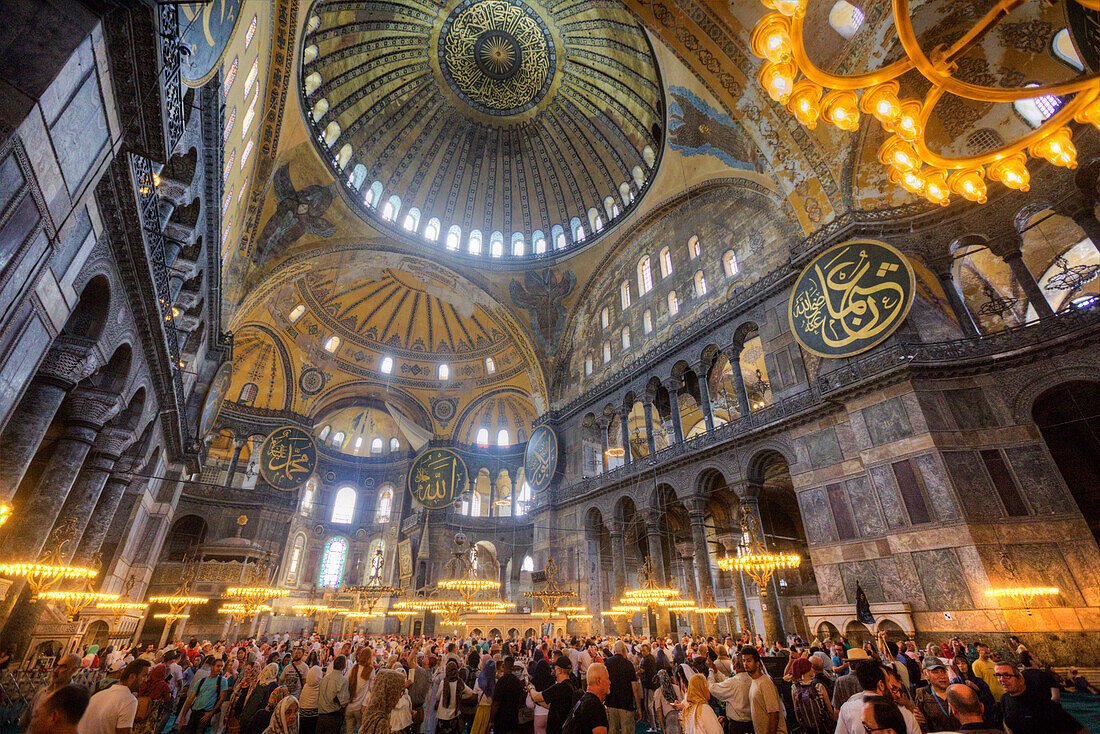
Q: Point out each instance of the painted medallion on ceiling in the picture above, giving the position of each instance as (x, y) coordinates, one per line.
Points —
(205, 29)
(485, 128)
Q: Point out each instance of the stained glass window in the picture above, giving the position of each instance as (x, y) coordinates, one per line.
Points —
(385, 506)
(231, 76)
(343, 510)
(332, 563)
(232, 118)
(250, 32)
(251, 79)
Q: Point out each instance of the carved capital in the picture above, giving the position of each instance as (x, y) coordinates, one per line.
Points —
(69, 360)
(93, 407)
(111, 442)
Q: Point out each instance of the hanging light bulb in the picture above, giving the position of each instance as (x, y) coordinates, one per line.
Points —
(805, 102)
(969, 183)
(911, 181)
(899, 154)
(789, 8)
(1056, 148)
(841, 108)
(771, 38)
(909, 125)
(934, 182)
(882, 102)
(1011, 171)
(777, 79)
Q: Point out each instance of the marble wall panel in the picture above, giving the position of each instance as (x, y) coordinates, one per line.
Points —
(822, 448)
(942, 577)
(969, 408)
(975, 491)
(865, 507)
(887, 421)
(1083, 561)
(816, 516)
(80, 133)
(830, 585)
(1040, 480)
(867, 574)
(939, 489)
(882, 479)
(933, 413)
(1029, 562)
(909, 587)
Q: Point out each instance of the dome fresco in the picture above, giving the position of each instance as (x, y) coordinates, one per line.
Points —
(494, 129)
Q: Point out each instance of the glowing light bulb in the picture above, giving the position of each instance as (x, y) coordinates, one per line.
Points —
(841, 108)
(1057, 148)
(789, 8)
(911, 181)
(882, 102)
(909, 125)
(771, 38)
(805, 102)
(935, 186)
(1011, 171)
(969, 183)
(899, 154)
(777, 79)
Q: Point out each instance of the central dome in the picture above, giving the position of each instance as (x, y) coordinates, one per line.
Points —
(494, 129)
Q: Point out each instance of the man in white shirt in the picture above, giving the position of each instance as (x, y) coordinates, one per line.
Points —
(294, 675)
(734, 692)
(765, 706)
(112, 711)
(175, 671)
(873, 680)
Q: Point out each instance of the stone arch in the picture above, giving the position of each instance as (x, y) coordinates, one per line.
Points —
(186, 533)
(89, 315)
(710, 478)
(1070, 368)
(113, 376)
(130, 417)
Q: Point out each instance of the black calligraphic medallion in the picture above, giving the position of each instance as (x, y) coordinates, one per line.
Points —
(540, 460)
(437, 477)
(287, 458)
(850, 298)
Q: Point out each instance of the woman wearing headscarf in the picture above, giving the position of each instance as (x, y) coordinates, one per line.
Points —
(307, 701)
(386, 692)
(261, 722)
(485, 686)
(245, 682)
(668, 693)
(542, 677)
(257, 697)
(90, 659)
(284, 719)
(698, 717)
(450, 693)
(154, 694)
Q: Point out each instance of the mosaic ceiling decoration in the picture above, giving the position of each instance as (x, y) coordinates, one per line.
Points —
(498, 129)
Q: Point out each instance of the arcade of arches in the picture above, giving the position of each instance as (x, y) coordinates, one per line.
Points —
(351, 219)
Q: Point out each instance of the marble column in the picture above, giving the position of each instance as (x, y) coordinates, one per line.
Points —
(1023, 276)
(624, 433)
(737, 589)
(1082, 209)
(238, 444)
(618, 562)
(704, 581)
(102, 516)
(739, 378)
(657, 559)
(769, 602)
(604, 422)
(595, 594)
(492, 496)
(86, 491)
(942, 269)
(673, 387)
(704, 394)
(68, 361)
(651, 438)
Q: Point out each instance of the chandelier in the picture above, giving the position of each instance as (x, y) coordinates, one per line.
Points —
(254, 598)
(51, 568)
(182, 597)
(810, 93)
(372, 592)
(757, 562)
(551, 594)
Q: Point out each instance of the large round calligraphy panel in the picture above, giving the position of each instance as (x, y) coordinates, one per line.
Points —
(437, 477)
(850, 298)
(287, 458)
(219, 387)
(540, 460)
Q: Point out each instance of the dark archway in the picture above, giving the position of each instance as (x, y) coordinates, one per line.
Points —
(186, 534)
(1068, 416)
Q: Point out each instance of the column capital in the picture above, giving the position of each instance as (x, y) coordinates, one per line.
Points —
(69, 360)
(624, 411)
(93, 407)
(672, 384)
(111, 442)
(1006, 245)
(604, 420)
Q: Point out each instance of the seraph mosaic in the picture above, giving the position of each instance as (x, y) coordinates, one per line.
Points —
(696, 128)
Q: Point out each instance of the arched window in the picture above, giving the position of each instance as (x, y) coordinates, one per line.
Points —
(454, 236)
(358, 176)
(373, 195)
(1063, 49)
(645, 276)
(482, 437)
(376, 445)
(358, 443)
(248, 394)
(576, 229)
(649, 155)
(332, 133)
(431, 231)
(342, 158)
(647, 322)
(638, 175)
(729, 263)
(391, 208)
(412, 220)
(338, 439)
(606, 352)
(605, 318)
(473, 507)
(538, 240)
(377, 555)
(609, 207)
(595, 220)
(588, 365)
(523, 499)
(700, 284)
(694, 248)
(626, 337)
(395, 445)
(324, 433)
(503, 438)
(490, 365)
(1037, 110)
(625, 193)
(496, 244)
(528, 564)
(387, 365)
(673, 304)
(343, 509)
(557, 233)
(332, 344)
(332, 562)
(308, 492)
(666, 262)
(312, 82)
(624, 294)
(295, 559)
(518, 248)
(444, 372)
(385, 505)
(320, 108)
(475, 242)
(845, 18)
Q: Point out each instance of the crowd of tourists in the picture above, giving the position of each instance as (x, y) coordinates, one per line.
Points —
(595, 685)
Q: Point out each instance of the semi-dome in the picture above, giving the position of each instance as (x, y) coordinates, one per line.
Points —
(490, 128)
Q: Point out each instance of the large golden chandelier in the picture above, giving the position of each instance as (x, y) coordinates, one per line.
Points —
(810, 94)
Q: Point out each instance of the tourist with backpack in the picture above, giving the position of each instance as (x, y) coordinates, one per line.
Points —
(812, 708)
(559, 698)
(205, 701)
(589, 716)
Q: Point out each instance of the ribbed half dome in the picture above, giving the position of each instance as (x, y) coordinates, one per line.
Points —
(490, 128)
